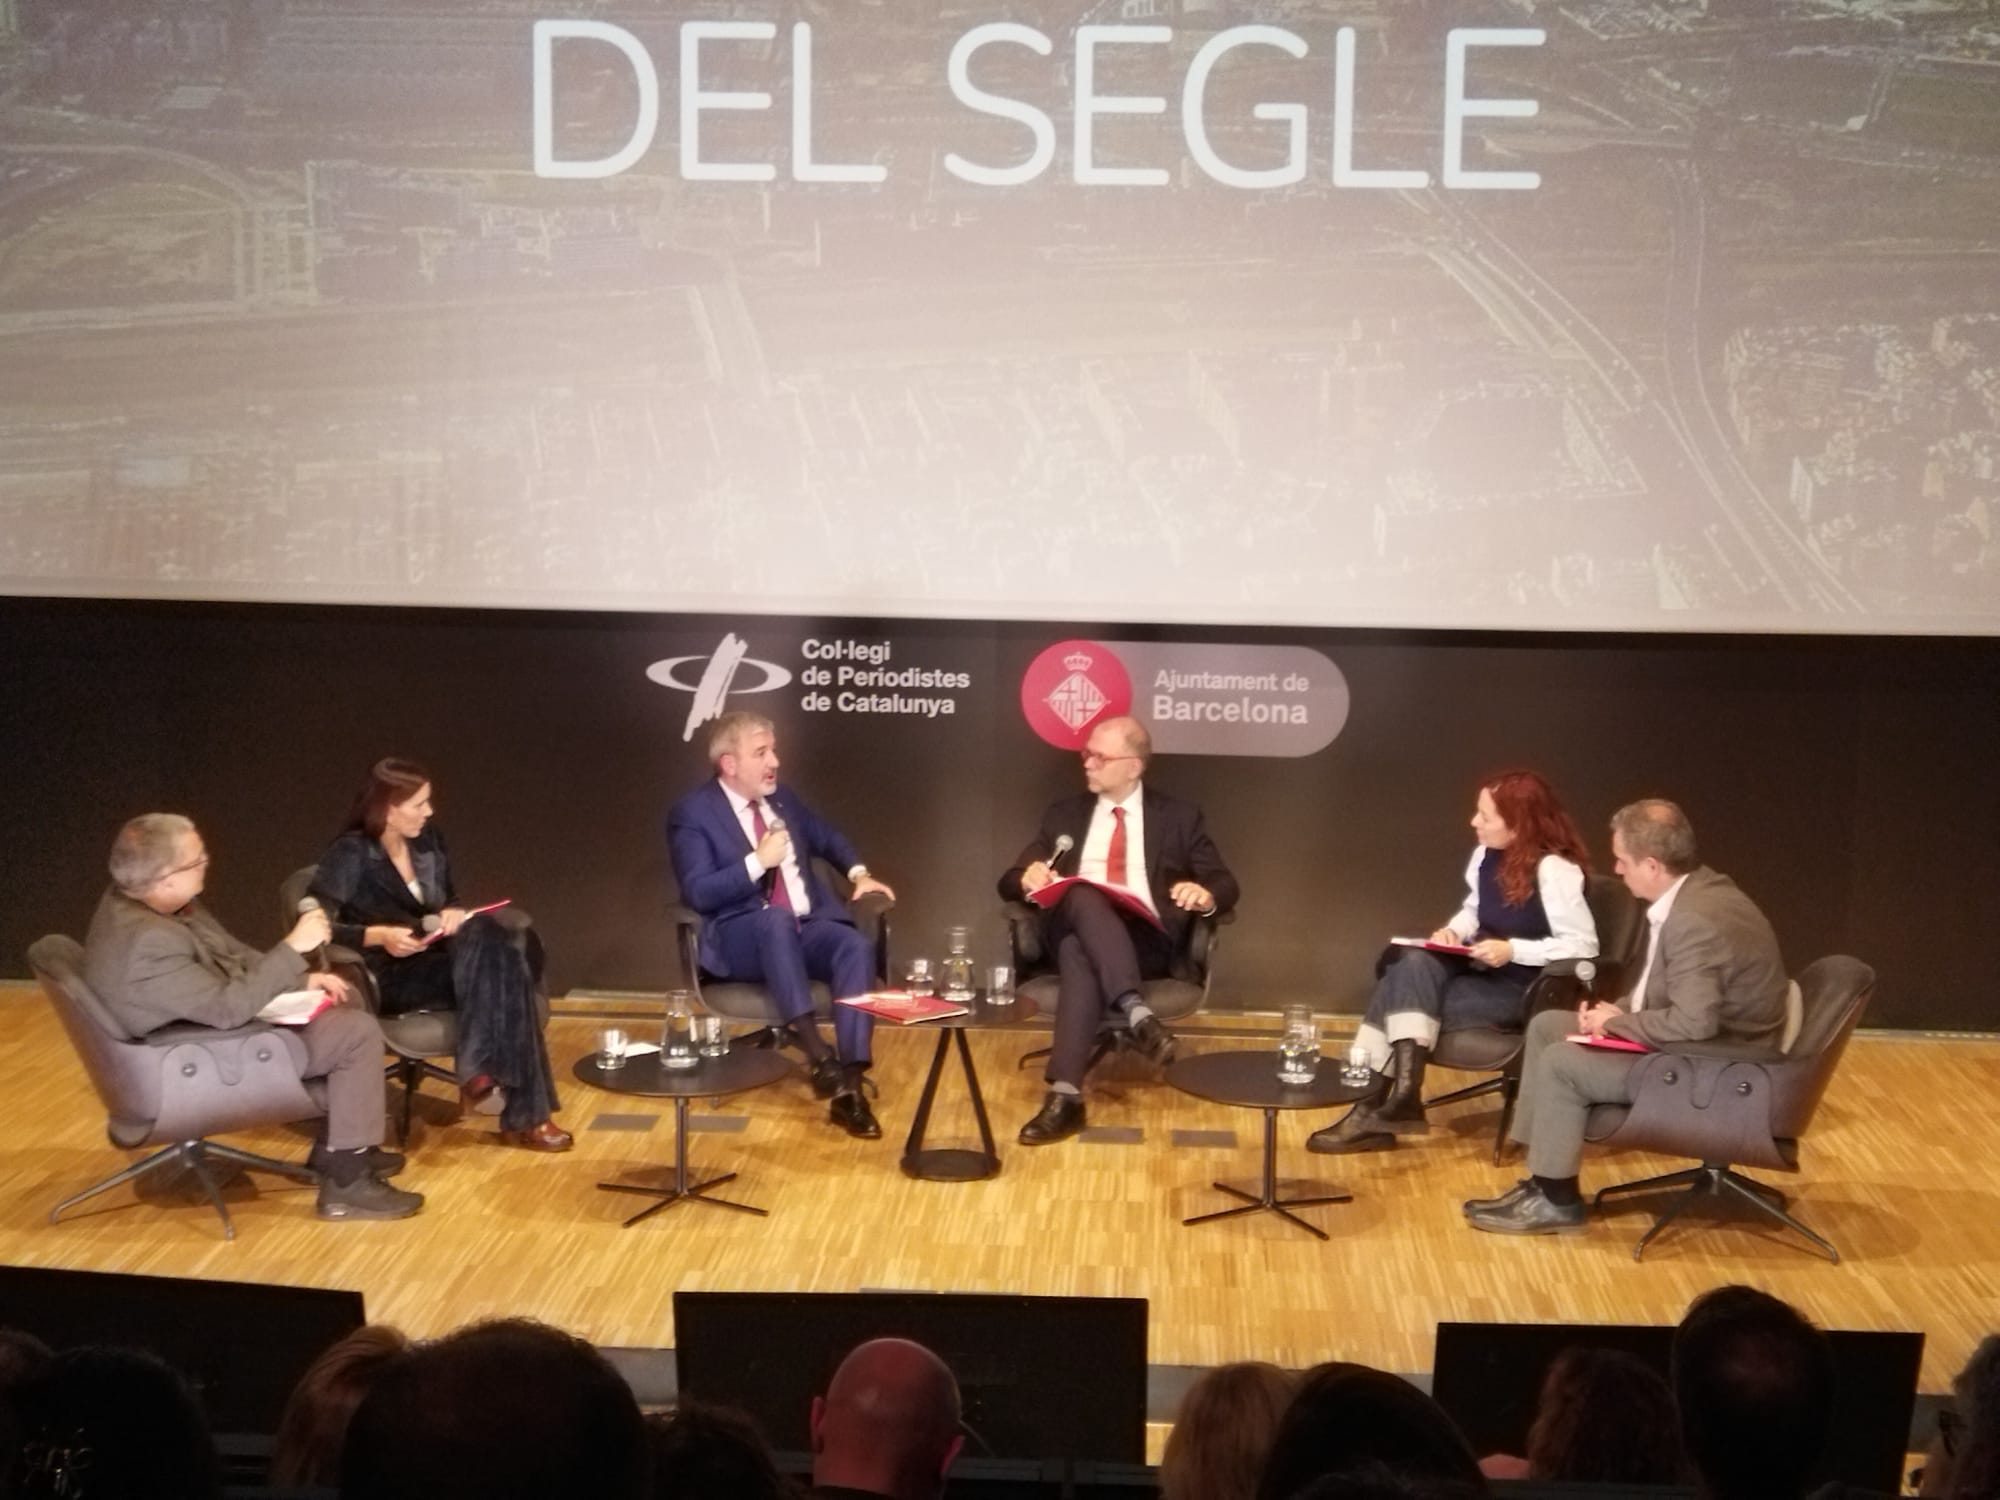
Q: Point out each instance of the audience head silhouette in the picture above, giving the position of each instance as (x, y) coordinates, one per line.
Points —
(507, 1410)
(703, 1452)
(888, 1424)
(306, 1451)
(1605, 1417)
(1964, 1463)
(1755, 1382)
(1223, 1431)
(113, 1424)
(1347, 1417)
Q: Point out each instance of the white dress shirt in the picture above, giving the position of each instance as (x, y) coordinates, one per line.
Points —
(1559, 881)
(789, 872)
(1096, 856)
(1656, 918)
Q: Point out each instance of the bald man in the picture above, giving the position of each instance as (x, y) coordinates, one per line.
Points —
(887, 1427)
(1121, 832)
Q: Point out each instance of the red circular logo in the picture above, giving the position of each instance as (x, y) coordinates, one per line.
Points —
(1072, 687)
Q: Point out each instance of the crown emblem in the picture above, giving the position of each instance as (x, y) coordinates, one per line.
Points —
(1078, 661)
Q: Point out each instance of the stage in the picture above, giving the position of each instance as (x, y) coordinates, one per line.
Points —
(1901, 1172)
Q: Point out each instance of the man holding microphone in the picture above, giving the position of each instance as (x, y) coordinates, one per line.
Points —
(743, 850)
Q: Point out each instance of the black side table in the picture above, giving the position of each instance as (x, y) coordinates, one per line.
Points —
(952, 1164)
(1249, 1080)
(735, 1072)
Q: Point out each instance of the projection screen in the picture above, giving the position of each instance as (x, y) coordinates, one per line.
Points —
(1648, 314)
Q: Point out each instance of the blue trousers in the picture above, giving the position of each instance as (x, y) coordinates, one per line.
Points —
(1420, 993)
(784, 954)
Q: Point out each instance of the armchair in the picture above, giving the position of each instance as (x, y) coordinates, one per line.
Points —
(1733, 1105)
(178, 1086)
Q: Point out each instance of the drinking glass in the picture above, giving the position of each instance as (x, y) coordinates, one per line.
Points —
(677, 1040)
(1298, 1047)
(922, 978)
(1000, 985)
(1356, 1073)
(710, 1040)
(611, 1048)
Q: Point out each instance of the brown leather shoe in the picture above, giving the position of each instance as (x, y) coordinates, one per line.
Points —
(547, 1136)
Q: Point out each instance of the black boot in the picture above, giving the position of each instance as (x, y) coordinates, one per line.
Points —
(1403, 1111)
(1357, 1130)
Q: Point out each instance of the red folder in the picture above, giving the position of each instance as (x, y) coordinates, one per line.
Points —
(1608, 1043)
(904, 1008)
(1125, 900)
(1461, 949)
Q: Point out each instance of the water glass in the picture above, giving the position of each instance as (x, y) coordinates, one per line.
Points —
(677, 1040)
(1000, 985)
(922, 978)
(710, 1040)
(1357, 1073)
(1298, 1047)
(611, 1048)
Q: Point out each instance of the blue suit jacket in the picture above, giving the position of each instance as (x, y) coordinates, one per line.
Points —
(708, 847)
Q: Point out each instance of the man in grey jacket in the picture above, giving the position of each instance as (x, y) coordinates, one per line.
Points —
(1712, 972)
(156, 957)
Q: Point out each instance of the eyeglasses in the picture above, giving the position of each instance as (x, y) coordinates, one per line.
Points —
(193, 864)
(1090, 758)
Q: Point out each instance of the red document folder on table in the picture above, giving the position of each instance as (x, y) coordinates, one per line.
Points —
(1430, 947)
(1608, 1043)
(1125, 900)
(903, 1008)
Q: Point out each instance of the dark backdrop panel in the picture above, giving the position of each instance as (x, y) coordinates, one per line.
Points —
(1848, 785)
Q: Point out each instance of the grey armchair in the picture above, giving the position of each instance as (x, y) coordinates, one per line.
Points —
(417, 1038)
(178, 1086)
(1730, 1106)
(1621, 937)
(1174, 998)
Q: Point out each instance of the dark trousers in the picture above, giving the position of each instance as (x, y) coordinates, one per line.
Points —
(343, 1045)
(1421, 993)
(1101, 957)
(784, 954)
(499, 1021)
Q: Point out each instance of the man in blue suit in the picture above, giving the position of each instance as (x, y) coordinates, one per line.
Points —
(743, 850)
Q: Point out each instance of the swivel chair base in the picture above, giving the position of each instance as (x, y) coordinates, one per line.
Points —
(1712, 1179)
(197, 1158)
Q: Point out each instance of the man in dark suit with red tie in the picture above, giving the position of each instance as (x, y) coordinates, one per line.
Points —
(1129, 835)
(743, 850)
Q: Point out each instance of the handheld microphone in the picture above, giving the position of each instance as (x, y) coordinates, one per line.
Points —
(316, 959)
(1064, 843)
(774, 822)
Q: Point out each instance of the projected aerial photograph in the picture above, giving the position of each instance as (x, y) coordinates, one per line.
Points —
(1266, 315)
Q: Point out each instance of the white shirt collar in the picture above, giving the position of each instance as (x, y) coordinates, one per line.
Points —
(1664, 902)
(1132, 798)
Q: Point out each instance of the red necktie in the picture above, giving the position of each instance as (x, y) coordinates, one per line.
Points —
(781, 892)
(1114, 861)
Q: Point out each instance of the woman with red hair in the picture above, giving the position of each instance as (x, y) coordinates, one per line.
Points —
(1523, 908)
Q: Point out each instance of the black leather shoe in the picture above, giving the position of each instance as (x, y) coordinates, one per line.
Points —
(851, 1113)
(1507, 1199)
(1060, 1118)
(1354, 1132)
(365, 1197)
(1155, 1043)
(375, 1160)
(825, 1076)
(1531, 1213)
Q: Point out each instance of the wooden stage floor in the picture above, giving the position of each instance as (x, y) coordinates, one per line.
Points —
(1902, 1173)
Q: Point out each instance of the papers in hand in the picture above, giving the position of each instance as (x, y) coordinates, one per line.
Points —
(904, 1008)
(1463, 950)
(295, 1007)
(1608, 1043)
(1126, 900)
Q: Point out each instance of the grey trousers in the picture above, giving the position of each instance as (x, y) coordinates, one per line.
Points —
(1559, 1083)
(343, 1045)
